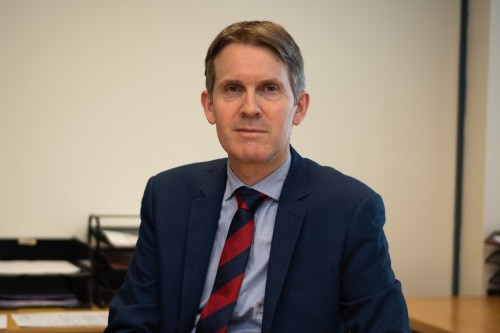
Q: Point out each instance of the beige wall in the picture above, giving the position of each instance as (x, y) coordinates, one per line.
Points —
(96, 96)
(481, 209)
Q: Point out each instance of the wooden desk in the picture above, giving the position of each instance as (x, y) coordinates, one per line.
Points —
(12, 326)
(464, 314)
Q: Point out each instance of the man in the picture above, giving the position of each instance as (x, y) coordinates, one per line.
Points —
(319, 258)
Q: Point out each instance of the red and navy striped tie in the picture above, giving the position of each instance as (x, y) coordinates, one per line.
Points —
(217, 312)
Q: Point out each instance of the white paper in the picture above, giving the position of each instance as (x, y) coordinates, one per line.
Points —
(36, 267)
(61, 319)
(120, 238)
(3, 321)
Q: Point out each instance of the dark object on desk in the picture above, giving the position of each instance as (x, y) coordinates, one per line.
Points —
(71, 290)
(495, 279)
(494, 258)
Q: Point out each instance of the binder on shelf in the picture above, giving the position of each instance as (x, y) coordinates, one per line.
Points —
(111, 240)
(44, 273)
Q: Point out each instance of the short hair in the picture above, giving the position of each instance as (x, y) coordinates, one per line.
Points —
(259, 33)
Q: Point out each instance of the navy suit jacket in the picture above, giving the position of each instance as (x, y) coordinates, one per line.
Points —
(329, 263)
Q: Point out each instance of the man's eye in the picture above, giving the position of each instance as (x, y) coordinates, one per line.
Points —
(270, 89)
(232, 89)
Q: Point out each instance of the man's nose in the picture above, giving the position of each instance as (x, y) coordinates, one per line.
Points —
(251, 105)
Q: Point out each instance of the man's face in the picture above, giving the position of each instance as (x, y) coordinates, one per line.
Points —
(253, 106)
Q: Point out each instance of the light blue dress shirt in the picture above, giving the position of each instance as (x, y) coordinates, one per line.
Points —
(247, 314)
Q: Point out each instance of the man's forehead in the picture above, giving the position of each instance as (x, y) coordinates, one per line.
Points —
(233, 55)
(238, 45)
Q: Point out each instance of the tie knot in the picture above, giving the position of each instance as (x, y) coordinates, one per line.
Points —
(249, 199)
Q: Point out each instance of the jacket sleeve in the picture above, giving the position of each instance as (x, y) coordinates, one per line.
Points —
(135, 307)
(372, 299)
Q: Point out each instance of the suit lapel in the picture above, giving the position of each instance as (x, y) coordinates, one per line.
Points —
(204, 217)
(289, 219)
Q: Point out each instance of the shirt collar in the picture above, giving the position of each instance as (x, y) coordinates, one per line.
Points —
(270, 185)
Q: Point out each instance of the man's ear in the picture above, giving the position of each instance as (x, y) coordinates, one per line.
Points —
(206, 102)
(301, 110)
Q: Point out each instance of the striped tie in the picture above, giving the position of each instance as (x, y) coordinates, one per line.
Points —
(215, 316)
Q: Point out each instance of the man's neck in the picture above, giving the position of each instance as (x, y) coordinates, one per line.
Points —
(252, 173)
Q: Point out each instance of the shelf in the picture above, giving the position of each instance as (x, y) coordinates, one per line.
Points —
(41, 289)
(111, 240)
(493, 238)
(493, 258)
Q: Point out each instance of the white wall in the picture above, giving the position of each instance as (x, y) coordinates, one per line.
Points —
(96, 96)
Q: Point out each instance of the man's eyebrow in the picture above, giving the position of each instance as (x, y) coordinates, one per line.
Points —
(273, 81)
(231, 82)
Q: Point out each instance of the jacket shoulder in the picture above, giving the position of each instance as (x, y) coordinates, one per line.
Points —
(189, 179)
(326, 179)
